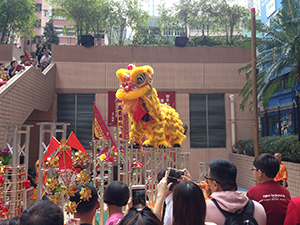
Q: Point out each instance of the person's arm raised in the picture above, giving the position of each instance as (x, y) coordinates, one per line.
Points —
(162, 190)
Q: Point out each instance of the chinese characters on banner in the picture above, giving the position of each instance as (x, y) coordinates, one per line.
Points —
(164, 96)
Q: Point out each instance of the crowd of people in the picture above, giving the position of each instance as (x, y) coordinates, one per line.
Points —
(41, 60)
(183, 202)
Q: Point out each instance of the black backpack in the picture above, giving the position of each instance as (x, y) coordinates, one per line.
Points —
(239, 218)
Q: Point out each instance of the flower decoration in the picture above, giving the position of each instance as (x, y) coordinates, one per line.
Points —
(52, 183)
(2, 180)
(83, 178)
(105, 156)
(55, 198)
(136, 165)
(27, 184)
(70, 207)
(68, 191)
(5, 156)
(85, 194)
(4, 211)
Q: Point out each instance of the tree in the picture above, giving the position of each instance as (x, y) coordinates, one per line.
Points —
(88, 16)
(50, 35)
(125, 15)
(16, 18)
(278, 49)
(228, 19)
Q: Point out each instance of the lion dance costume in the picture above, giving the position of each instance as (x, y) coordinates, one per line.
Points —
(160, 123)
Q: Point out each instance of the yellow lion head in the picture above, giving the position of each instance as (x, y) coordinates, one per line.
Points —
(135, 82)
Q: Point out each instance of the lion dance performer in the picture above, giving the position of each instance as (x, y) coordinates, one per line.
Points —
(160, 123)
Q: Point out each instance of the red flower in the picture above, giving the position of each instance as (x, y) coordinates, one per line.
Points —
(111, 159)
(4, 211)
(1, 180)
(27, 184)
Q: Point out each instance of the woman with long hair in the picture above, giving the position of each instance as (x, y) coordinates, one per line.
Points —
(189, 206)
(142, 216)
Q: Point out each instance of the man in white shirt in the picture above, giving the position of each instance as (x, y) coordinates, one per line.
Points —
(46, 58)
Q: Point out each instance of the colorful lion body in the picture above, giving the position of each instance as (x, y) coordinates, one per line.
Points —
(160, 123)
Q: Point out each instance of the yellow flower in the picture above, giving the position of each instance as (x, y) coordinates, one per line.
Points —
(55, 198)
(70, 207)
(68, 191)
(83, 178)
(85, 194)
(52, 184)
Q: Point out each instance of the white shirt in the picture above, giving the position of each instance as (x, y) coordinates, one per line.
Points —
(168, 219)
(45, 58)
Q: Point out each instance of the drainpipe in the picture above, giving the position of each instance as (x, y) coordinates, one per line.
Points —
(232, 120)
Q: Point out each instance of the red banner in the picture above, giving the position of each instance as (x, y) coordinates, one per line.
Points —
(100, 130)
(164, 96)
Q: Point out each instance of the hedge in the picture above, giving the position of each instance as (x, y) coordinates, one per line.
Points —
(288, 146)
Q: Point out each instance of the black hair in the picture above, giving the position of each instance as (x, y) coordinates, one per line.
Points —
(267, 164)
(160, 176)
(22, 56)
(5, 222)
(12, 62)
(189, 205)
(116, 193)
(224, 172)
(140, 217)
(14, 221)
(85, 206)
(42, 212)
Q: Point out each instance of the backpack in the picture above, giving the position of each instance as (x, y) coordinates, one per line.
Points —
(239, 218)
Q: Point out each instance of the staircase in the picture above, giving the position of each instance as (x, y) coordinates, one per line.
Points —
(25, 92)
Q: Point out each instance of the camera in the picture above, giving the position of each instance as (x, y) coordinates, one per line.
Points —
(175, 174)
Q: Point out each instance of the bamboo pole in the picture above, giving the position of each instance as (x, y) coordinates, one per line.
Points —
(254, 82)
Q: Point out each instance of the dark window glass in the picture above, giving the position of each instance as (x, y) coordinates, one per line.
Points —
(207, 121)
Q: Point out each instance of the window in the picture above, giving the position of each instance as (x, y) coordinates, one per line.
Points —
(38, 7)
(77, 109)
(207, 121)
(46, 13)
(38, 23)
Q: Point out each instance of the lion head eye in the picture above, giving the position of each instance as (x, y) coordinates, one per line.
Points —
(140, 79)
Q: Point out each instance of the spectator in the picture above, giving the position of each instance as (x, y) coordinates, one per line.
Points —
(293, 212)
(34, 63)
(22, 60)
(282, 176)
(116, 196)
(272, 196)
(4, 77)
(188, 204)
(86, 210)
(15, 68)
(46, 59)
(42, 212)
(26, 55)
(167, 217)
(39, 68)
(221, 177)
(38, 52)
(142, 216)
(27, 62)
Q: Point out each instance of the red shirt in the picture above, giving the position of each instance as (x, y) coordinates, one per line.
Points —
(274, 198)
(292, 214)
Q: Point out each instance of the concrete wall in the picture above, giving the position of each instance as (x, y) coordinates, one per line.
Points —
(184, 70)
(23, 94)
(245, 178)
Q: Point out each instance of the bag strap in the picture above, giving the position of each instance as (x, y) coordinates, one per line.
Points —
(248, 209)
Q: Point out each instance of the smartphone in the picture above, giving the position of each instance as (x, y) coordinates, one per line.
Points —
(175, 174)
(138, 194)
